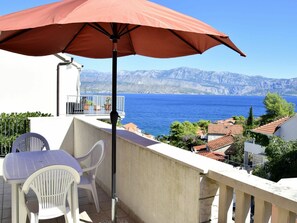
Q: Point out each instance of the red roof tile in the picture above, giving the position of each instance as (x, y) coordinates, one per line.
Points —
(199, 148)
(225, 129)
(221, 142)
(229, 121)
(131, 127)
(271, 127)
(213, 155)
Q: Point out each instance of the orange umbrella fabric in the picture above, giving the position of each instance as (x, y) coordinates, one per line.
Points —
(75, 27)
(104, 29)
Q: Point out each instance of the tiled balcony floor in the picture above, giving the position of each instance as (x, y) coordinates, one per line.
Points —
(87, 209)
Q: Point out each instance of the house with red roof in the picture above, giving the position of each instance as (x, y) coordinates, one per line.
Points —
(284, 128)
(216, 149)
(213, 155)
(220, 138)
(131, 127)
(229, 121)
(218, 130)
(270, 128)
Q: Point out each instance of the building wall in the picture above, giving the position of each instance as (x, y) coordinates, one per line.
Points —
(30, 83)
(223, 149)
(63, 128)
(287, 131)
(214, 136)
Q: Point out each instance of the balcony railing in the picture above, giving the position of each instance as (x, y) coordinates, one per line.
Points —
(93, 104)
(10, 128)
(157, 182)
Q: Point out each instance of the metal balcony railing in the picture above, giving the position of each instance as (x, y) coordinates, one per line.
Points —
(10, 128)
(93, 104)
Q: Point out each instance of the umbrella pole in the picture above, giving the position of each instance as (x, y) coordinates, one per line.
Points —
(114, 119)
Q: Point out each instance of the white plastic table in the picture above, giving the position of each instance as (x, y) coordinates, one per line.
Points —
(17, 167)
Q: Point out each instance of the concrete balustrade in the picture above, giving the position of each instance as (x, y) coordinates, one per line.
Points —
(157, 182)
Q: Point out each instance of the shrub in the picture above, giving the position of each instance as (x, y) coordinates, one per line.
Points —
(12, 125)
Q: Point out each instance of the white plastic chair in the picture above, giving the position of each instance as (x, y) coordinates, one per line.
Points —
(52, 185)
(90, 163)
(29, 141)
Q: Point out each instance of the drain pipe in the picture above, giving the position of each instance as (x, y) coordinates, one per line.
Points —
(58, 82)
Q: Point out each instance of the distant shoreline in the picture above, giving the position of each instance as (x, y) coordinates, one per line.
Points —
(154, 113)
(185, 80)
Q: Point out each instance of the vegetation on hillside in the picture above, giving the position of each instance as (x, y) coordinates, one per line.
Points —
(282, 160)
(276, 107)
(184, 135)
(12, 125)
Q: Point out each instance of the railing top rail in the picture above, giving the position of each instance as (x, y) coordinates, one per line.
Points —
(258, 187)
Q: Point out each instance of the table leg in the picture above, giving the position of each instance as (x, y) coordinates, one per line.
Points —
(22, 210)
(14, 203)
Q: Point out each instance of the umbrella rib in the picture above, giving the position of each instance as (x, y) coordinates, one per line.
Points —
(129, 30)
(222, 42)
(100, 29)
(14, 35)
(73, 38)
(185, 41)
(122, 28)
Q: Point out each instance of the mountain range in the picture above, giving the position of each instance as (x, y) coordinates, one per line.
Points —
(185, 80)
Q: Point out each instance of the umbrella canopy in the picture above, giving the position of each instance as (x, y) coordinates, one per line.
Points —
(80, 27)
(104, 29)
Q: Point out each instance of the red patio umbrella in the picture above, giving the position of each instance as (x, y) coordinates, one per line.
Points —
(104, 29)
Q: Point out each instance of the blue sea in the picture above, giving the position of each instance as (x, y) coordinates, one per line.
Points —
(153, 113)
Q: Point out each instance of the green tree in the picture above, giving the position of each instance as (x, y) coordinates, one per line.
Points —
(238, 146)
(239, 120)
(276, 107)
(250, 119)
(183, 134)
(203, 124)
(282, 160)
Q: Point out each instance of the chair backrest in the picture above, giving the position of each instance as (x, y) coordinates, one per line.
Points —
(95, 158)
(51, 185)
(29, 141)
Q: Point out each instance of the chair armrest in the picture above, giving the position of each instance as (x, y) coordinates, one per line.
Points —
(84, 168)
(88, 168)
(81, 158)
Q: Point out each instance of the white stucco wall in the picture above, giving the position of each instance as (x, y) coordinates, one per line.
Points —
(223, 149)
(253, 148)
(30, 83)
(62, 127)
(287, 130)
(211, 137)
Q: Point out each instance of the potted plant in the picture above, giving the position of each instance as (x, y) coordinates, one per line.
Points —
(107, 104)
(88, 104)
(97, 107)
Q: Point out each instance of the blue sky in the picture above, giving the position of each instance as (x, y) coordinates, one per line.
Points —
(264, 30)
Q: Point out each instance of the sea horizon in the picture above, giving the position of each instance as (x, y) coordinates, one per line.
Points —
(154, 113)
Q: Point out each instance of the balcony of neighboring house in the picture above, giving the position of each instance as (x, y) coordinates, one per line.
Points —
(99, 105)
(159, 183)
(254, 155)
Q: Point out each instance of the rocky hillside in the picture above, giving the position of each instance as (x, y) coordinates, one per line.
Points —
(186, 81)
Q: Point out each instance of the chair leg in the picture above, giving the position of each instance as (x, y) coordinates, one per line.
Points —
(68, 216)
(95, 196)
(89, 193)
(34, 218)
